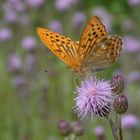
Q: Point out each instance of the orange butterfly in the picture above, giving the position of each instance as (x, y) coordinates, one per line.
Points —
(95, 51)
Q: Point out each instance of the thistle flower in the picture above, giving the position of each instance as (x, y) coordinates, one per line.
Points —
(28, 43)
(56, 26)
(5, 34)
(14, 63)
(35, 3)
(94, 98)
(134, 3)
(78, 19)
(63, 5)
(130, 121)
(131, 44)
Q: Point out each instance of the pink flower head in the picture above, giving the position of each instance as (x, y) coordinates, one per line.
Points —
(35, 3)
(5, 34)
(10, 16)
(24, 19)
(14, 63)
(56, 26)
(78, 18)
(131, 44)
(17, 5)
(28, 43)
(130, 121)
(63, 5)
(99, 132)
(134, 2)
(94, 97)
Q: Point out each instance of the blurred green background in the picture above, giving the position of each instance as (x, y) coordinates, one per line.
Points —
(33, 101)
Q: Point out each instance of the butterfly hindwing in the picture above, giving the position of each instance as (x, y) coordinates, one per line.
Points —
(104, 53)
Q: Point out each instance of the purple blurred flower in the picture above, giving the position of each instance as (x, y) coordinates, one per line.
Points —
(99, 132)
(17, 5)
(133, 76)
(131, 45)
(78, 19)
(35, 3)
(24, 19)
(94, 97)
(52, 138)
(134, 2)
(10, 16)
(130, 121)
(63, 5)
(19, 81)
(127, 24)
(11, 10)
(55, 26)
(14, 63)
(104, 16)
(5, 34)
(28, 43)
(30, 61)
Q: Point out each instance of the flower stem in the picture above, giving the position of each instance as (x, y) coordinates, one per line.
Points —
(66, 138)
(73, 137)
(120, 127)
(112, 127)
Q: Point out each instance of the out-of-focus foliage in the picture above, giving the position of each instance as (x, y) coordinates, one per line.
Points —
(32, 101)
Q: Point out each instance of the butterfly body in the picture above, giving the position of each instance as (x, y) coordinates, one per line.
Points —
(95, 51)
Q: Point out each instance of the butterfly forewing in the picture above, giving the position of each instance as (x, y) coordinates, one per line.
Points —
(61, 46)
(92, 34)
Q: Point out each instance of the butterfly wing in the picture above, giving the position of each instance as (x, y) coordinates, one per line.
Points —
(104, 53)
(92, 34)
(61, 46)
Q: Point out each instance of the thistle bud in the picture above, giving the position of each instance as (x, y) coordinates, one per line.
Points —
(64, 128)
(77, 128)
(99, 132)
(117, 84)
(120, 104)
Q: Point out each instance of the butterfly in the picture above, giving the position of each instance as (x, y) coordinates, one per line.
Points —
(95, 51)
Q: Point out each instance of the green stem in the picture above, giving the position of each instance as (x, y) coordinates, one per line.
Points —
(120, 127)
(66, 138)
(73, 137)
(112, 128)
